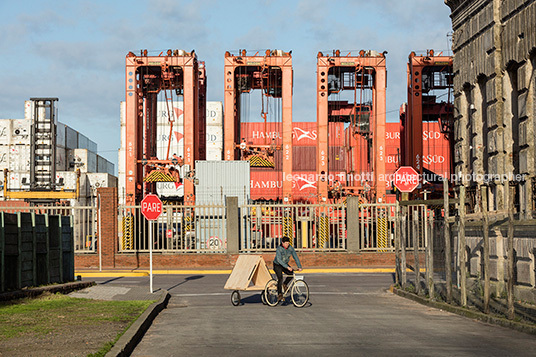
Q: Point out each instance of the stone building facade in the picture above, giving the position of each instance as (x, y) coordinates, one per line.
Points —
(494, 47)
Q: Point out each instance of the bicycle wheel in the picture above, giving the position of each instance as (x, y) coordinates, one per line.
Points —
(270, 293)
(300, 293)
(235, 298)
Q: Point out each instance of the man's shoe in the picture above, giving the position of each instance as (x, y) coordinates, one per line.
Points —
(279, 297)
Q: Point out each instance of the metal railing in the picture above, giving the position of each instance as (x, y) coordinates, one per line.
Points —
(84, 220)
(309, 227)
(200, 228)
(377, 223)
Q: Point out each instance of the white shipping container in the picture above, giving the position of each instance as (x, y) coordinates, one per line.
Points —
(19, 158)
(28, 109)
(96, 180)
(18, 181)
(163, 139)
(122, 111)
(121, 158)
(214, 113)
(83, 159)
(214, 154)
(60, 135)
(170, 189)
(61, 159)
(68, 181)
(4, 157)
(214, 134)
(20, 131)
(71, 138)
(5, 131)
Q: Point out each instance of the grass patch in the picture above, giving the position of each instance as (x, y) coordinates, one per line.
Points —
(58, 317)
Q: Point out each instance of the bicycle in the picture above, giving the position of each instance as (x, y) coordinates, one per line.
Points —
(297, 288)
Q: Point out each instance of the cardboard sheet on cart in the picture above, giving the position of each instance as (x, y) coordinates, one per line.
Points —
(249, 273)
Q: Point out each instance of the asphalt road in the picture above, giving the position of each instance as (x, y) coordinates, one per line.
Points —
(348, 315)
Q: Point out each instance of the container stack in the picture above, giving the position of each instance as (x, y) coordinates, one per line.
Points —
(73, 151)
(169, 139)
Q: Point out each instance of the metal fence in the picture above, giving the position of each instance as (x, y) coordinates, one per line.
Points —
(377, 223)
(200, 228)
(84, 220)
(310, 227)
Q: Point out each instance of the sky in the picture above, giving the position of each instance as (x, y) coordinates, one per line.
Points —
(75, 50)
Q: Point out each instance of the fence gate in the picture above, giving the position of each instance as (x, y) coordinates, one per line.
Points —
(377, 224)
(309, 227)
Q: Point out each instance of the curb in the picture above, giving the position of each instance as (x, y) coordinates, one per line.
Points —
(129, 340)
(33, 292)
(476, 315)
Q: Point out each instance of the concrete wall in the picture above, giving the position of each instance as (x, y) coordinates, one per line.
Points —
(494, 45)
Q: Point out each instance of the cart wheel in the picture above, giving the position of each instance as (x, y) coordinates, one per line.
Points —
(263, 297)
(235, 298)
(270, 293)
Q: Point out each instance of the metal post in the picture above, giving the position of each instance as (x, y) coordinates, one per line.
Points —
(511, 259)
(100, 234)
(397, 245)
(462, 249)
(448, 253)
(403, 246)
(151, 256)
(415, 229)
(485, 246)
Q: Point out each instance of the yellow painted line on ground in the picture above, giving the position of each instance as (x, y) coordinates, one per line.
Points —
(131, 273)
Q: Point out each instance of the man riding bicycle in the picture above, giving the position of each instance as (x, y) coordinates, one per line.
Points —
(282, 257)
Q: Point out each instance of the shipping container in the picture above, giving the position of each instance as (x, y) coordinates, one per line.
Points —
(61, 159)
(71, 138)
(111, 168)
(219, 179)
(103, 165)
(170, 189)
(5, 131)
(66, 180)
(4, 157)
(96, 180)
(83, 159)
(266, 185)
(60, 135)
(121, 158)
(214, 114)
(214, 135)
(20, 131)
(214, 153)
(83, 142)
(19, 158)
(17, 181)
(304, 158)
(337, 158)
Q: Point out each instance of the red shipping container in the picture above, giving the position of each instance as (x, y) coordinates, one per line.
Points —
(303, 133)
(266, 185)
(304, 158)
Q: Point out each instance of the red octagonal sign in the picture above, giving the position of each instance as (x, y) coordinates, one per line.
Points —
(406, 179)
(151, 207)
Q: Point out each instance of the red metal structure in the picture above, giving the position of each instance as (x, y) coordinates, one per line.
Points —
(174, 73)
(352, 90)
(271, 73)
(430, 83)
